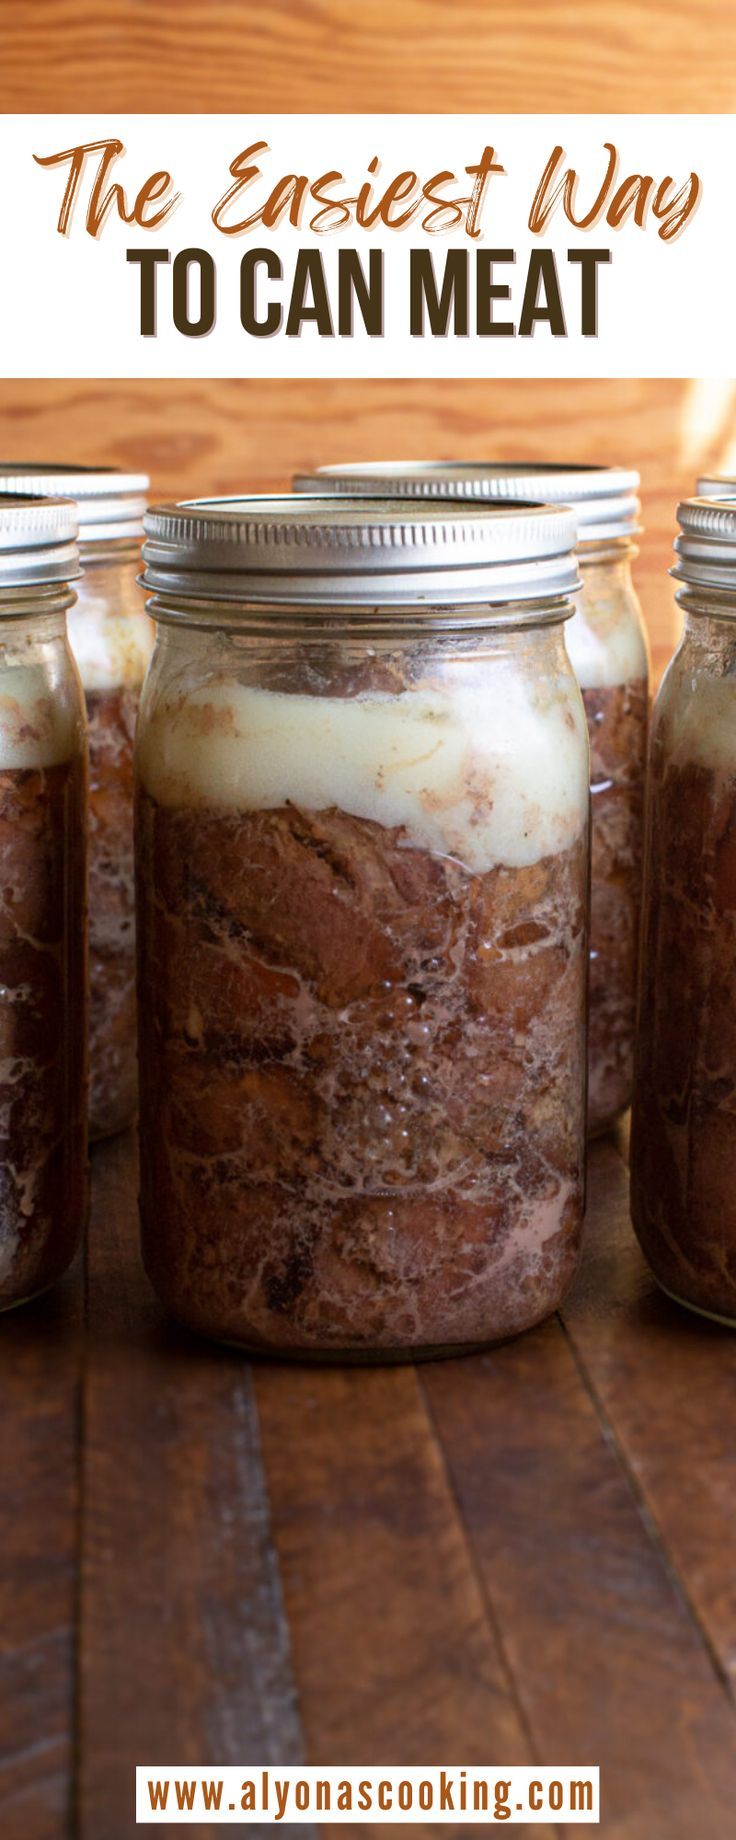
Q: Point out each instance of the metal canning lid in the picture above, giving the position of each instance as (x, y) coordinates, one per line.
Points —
(604, 498)
(38, 541)
(706, 545)
(111, 503)
(358, 551)
(716, 485)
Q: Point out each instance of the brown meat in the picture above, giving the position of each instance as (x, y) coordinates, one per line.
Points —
(361, 1082)
(617, 729)
(111, 717)
(42, 1025)
(684, 1124)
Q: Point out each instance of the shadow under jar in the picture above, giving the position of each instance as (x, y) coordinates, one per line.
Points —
(112, 640)
(43, 971)
(607, 643)
(362, 861)
(683, 1149)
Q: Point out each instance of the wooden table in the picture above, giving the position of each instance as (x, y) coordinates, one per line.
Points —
(526, 1555)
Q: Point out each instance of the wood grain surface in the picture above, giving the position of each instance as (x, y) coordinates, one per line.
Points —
(327, 55)
(521, 1556)
(40, 1500)
(202, 437)
(183, 1637)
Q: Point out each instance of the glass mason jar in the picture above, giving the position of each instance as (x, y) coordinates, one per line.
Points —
(112, 640)
(683, 1150)
(362, 861)
(607, 643)
(43, 972)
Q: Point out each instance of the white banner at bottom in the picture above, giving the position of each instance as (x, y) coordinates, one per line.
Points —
(246, 1795)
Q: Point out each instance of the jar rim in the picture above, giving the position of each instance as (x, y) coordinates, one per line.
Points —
(33, 601)
(290, 619)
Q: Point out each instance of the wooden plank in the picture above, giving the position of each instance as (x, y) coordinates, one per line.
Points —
(666, 1381)
(201, 437)
(644, 55)
(609, 1664)
(184, 1646)
(397, 1659)
(391, 1634)
(40, 1371)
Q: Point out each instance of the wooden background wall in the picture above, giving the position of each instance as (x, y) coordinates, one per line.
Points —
(205, 437)
(462, 56)
(487, 56)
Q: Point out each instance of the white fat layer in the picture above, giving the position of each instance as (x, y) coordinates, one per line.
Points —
(39, 724)
(699, 718)
(606, 640)
(484, 778)
(111, 650)
(110, 633)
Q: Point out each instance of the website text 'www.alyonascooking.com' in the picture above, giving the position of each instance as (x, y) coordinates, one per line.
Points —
(173, 1794)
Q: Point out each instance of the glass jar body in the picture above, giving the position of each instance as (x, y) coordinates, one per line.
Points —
(684, 1116)
(608, 647)
(112, 639)
(43, 971)
(362, 878)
